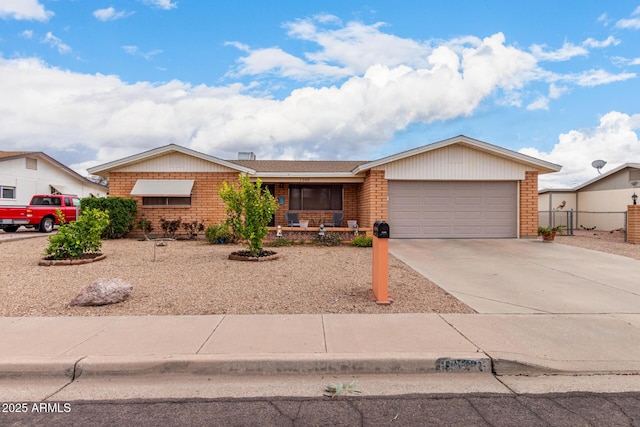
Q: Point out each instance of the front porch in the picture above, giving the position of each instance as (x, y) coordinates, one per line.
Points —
(307, 234)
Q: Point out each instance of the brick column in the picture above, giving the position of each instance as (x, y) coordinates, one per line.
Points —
(633, 224)
(373, 199)
(529, 205)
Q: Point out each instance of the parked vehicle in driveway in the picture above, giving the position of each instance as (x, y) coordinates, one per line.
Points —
(40, 213)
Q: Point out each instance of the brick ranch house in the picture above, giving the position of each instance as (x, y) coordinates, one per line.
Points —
(456, 188)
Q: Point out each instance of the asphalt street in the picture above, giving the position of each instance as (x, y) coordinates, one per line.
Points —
(567, 409)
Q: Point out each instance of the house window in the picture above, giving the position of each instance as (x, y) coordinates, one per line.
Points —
(7, 192)
(166, 201)
(315, 197)
(32, 163)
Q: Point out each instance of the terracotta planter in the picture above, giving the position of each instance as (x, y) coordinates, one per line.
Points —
(549, 237)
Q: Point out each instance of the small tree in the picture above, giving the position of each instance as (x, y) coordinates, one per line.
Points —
(249, 210)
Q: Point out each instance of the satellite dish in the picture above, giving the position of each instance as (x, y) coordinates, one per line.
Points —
(598, 164)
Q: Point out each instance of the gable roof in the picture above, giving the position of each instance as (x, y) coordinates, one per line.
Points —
(591, 181)
(324, 168)
(607, 174)
(12, 155)
(541, 165)
(161, 151)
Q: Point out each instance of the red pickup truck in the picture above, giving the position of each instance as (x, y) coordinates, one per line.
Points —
(41, 212)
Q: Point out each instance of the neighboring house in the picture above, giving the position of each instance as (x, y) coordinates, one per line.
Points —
(25, 173)
(600, 202)
(459, 187)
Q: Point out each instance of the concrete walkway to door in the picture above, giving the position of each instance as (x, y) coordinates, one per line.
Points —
(526, 276)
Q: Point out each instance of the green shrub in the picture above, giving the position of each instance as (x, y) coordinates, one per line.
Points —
(218, 233)
(81, 236)
(362, 241)
(122, 213)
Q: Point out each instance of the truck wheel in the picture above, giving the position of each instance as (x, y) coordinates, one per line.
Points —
(11, 228)
(46, 225)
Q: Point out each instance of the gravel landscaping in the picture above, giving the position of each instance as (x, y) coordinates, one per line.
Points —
(603, 241)
(195, 278)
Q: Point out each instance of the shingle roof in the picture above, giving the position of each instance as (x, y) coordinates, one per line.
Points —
(300, 165)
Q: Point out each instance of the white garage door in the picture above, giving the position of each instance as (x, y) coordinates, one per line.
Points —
(453, 209)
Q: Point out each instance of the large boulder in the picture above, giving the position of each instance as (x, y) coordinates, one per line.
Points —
(103, 292)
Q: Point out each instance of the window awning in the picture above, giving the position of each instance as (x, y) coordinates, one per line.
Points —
(163, 187)
(59, 189)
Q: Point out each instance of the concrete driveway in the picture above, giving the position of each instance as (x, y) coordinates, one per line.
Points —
(525, 276)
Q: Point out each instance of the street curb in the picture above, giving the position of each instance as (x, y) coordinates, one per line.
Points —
(508, 367)
(245, 364)
(38, 367)
(282, 364)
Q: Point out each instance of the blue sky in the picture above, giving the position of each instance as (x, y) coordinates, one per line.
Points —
(88, 82)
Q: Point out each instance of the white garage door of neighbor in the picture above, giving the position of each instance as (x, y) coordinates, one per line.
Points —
(453, 209)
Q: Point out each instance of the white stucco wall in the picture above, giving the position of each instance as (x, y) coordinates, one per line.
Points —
(29, 182)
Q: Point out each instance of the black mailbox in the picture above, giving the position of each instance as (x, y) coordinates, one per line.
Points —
(381, 230)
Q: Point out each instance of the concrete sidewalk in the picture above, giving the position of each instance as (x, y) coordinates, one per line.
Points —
(66, 350)
(565, 315)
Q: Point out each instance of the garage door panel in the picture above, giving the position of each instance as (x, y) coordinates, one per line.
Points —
(452, 209)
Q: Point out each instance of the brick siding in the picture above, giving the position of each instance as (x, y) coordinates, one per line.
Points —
(206, 204)
(373, 199)
(529, 205)
(633, 224)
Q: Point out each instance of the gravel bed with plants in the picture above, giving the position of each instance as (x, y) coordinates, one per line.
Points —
(197, 278)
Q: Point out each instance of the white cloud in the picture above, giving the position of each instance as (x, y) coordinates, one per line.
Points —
(161, 4)
(380, 85)
(566, 52)
(604, 18)
(30, 10)
(135, 51)
(542, 103)
(277, 62)
(596, 77)
(346, 121)
(556, 91)
(54, 41)
(631, 23)
(635, 61)
(27, 34)
(614, 140)
(110, 14)
(590, 42)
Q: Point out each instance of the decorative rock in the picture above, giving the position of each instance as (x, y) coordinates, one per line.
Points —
(103, 292)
